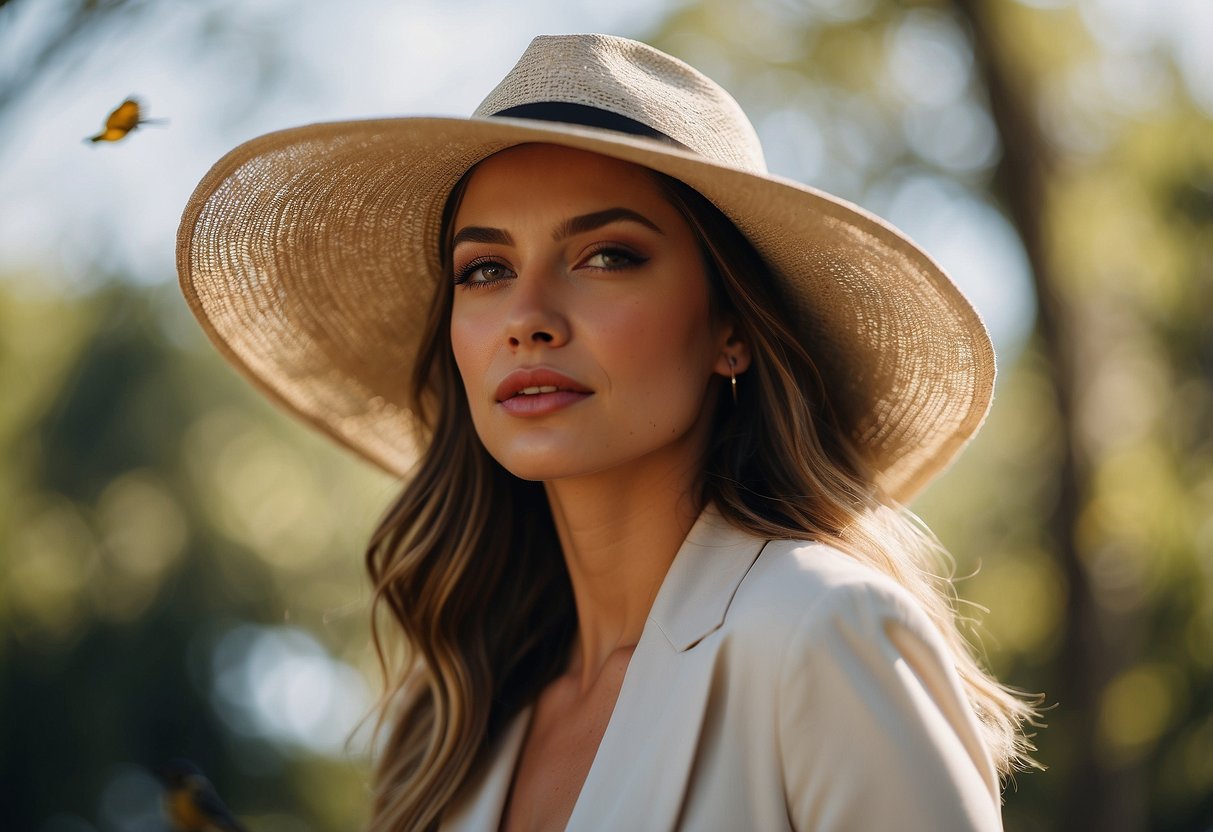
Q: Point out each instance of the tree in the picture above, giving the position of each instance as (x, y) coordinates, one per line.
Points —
(1080, 507)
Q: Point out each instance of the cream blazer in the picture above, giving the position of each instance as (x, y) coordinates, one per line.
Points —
(777, 685)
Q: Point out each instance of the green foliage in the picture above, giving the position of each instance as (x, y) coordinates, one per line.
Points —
(154, 505)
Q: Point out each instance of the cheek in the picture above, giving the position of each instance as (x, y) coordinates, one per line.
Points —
(664, 348)
(467, 346)
(472, 356)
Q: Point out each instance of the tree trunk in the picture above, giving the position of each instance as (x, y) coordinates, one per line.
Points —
(1097, 794)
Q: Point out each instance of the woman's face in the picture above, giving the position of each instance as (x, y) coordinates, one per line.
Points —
(581, 323)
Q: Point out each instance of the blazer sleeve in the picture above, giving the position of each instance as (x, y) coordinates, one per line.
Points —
(875, 731)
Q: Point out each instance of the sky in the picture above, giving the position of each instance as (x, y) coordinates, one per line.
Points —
(71, 210)
(64, 203)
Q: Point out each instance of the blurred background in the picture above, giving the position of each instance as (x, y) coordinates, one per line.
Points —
(180, 565)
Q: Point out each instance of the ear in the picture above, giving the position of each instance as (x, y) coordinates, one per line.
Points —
(734, 358)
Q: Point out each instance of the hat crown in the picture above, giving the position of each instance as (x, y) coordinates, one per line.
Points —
(635, 81)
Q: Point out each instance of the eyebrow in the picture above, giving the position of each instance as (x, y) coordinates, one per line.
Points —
(567, 228)
(588, 222)
(479, 234)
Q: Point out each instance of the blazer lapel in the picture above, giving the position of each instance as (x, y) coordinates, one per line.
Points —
(485, 801)
(640, 772)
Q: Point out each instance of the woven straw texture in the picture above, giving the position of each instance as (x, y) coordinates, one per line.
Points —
(311, 256)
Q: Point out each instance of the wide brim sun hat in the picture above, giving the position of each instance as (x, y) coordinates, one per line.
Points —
(311, 255)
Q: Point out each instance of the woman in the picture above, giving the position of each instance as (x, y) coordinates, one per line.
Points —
(657, 411)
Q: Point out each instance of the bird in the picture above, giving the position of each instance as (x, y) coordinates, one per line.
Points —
(191, 802)
(125, 118)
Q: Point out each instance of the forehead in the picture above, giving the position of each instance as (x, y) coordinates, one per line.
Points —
(560, 178)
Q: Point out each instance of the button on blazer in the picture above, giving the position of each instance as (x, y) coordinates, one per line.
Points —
(777, 685)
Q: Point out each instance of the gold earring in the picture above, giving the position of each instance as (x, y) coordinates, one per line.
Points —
(733, 377)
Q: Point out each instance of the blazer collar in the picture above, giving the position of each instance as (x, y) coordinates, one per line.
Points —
(703, 578)
(631, 784)
(639, 775)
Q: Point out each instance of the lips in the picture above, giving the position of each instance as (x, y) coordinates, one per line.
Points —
(537, 391)
(536, 382)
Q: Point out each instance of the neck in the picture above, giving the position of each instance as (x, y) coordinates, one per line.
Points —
(620, 531)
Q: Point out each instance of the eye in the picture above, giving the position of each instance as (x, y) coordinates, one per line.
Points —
(482, 271)
(609, 258)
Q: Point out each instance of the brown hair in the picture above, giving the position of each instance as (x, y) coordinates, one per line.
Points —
(467, 564)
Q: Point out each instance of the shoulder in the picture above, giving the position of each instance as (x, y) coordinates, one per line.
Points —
(865, 689)
(796, 586)
(810, 617)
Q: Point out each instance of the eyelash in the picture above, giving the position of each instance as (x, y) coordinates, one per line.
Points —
(631, 258)
(465, 272)
(463, 276)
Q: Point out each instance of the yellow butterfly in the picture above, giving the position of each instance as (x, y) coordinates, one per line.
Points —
(125, 118)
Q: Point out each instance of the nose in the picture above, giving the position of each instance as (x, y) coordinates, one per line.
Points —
(536, 315)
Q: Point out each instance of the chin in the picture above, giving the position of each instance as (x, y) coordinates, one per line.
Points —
(544, 461)
(537, 454)
(538, 470)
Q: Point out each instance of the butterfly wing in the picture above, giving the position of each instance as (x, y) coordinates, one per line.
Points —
(125, 118)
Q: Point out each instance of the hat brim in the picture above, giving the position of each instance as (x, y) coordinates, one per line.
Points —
(311, 255)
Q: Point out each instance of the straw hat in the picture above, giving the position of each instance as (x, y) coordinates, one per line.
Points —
(310, 255)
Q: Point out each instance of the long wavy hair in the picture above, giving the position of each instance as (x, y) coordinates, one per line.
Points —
(467, 567)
